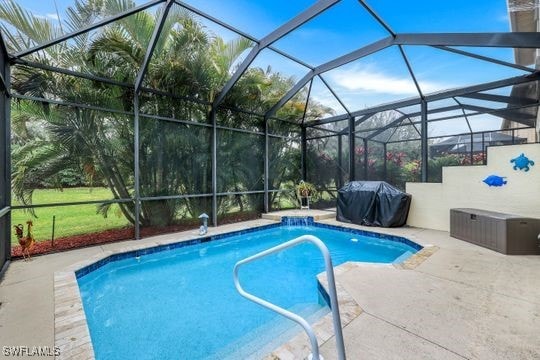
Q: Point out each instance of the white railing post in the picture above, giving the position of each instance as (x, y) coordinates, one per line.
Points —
(292, 316)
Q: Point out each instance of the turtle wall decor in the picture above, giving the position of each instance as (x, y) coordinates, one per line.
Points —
(522, 162)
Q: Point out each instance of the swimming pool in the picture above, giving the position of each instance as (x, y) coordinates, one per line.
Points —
(179, 302)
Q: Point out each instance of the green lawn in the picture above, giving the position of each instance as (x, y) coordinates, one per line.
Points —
(77, 219)
(70, 220)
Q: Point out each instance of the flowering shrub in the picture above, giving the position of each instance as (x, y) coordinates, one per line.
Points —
(397, 157)
(400, 169)
(477, 159)
(359, 150)
(402, 165)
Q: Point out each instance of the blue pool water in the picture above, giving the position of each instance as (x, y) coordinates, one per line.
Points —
(182, 304)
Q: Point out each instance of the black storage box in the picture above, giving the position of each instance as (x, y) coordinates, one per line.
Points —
(373, 203)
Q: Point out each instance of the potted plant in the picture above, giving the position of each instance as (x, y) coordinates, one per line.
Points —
(305, 192)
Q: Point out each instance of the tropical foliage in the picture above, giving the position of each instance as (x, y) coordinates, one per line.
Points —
(189, 61)
(327, 172)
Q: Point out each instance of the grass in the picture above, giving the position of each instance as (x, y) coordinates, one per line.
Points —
(70, 220)
(78, 219)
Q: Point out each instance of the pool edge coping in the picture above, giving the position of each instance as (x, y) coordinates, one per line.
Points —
(71, 332)
(298, 346)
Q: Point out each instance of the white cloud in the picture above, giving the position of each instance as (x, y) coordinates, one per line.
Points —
(369, 79)
(327, 99)
(53, 16)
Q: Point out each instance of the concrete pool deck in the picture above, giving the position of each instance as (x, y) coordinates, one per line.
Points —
(461, 302)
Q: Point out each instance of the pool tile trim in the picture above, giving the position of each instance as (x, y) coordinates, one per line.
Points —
(377, 235)
(72, 335)
(157, 247)
(284, 220)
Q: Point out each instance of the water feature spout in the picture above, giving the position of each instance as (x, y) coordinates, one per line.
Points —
(297, 221)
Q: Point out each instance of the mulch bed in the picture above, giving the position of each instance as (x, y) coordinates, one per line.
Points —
(76, 241)
(112, 235)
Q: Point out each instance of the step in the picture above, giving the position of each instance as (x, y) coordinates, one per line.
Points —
(316, 214)
(279, 331)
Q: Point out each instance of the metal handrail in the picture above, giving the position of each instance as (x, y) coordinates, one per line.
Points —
(290, 315)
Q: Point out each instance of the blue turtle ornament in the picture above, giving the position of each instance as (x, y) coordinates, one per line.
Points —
(495, 180)
(522, 162)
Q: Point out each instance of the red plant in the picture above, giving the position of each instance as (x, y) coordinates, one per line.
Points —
(396, 158)
(477, 158)
(359, 150)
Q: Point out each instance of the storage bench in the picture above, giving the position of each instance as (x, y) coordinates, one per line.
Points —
(505, 233)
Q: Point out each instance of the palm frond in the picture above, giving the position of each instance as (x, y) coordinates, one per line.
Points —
(114, 43)
(31, 29)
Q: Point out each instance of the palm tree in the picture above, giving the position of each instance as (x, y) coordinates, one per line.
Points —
(188, 61)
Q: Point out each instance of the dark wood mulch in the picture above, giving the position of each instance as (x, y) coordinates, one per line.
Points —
(112, 235)
(76, 241)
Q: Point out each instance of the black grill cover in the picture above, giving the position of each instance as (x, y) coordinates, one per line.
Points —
(373, 203)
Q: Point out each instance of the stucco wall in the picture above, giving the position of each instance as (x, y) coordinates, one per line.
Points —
(462, 186)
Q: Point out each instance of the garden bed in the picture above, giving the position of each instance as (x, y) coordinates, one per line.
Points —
(76, 241)
(121, 234)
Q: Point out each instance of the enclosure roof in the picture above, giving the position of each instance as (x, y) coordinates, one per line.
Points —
(354, 58)
(489, 137)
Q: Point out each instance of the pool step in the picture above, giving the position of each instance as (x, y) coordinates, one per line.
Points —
(277, 331)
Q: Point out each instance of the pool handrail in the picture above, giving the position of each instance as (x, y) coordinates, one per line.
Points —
(340, 346)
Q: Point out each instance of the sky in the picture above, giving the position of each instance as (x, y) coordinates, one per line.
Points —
(379, 78)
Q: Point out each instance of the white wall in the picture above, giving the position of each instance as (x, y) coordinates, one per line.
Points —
(462, 187)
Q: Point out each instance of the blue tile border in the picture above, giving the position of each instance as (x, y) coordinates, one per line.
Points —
(159, 248)
(377, 235)
(285, 221)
